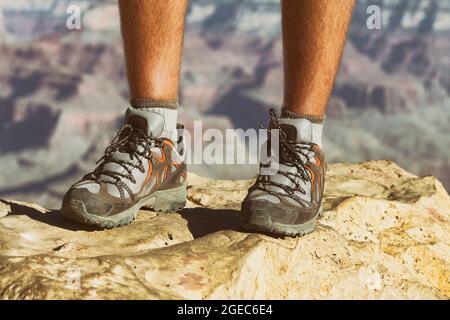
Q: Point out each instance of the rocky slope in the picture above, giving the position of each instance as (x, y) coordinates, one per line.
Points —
(384, 234)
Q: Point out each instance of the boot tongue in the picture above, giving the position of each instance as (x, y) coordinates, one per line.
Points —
(152, 123)
(301, 130)
(290, 131)
(290, 128)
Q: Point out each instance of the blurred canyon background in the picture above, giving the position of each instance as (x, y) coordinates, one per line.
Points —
(63, 92)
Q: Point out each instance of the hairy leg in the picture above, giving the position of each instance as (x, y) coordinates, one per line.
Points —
(152, 33)
(314, 33)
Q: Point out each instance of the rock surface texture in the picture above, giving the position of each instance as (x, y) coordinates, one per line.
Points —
(384, 234)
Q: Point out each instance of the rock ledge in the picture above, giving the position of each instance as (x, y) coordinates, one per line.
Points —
(384, 234)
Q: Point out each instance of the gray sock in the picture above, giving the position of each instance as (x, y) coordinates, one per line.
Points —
(152, 103)
(285, 113)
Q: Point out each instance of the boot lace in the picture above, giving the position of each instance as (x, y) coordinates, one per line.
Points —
(129, 140)
(293, 154)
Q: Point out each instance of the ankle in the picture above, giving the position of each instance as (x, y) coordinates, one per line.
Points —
(139, 103)
(285, 113)
(156, 119)
(308, 127)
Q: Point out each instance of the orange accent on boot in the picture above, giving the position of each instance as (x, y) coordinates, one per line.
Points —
(163, 157)
(318, 162)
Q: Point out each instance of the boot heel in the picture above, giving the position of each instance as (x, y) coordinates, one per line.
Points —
(170, 200)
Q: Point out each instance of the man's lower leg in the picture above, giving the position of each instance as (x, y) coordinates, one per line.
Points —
(314, 34)
(153, 40)
(152, 33)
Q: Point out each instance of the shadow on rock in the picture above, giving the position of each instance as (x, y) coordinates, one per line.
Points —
(52, 218)
(203, 221)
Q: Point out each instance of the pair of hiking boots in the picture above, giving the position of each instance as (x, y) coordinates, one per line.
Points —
(143, 166)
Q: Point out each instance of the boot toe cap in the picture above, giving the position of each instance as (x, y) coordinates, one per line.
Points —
(79, 201)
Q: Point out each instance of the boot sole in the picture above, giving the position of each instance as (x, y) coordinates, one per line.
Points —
(161, 201)
(266, 225)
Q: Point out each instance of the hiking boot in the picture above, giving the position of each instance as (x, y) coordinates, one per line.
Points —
(288, 201)
(141, 167)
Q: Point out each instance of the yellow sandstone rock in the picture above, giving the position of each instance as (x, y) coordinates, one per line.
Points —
(384, 235)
